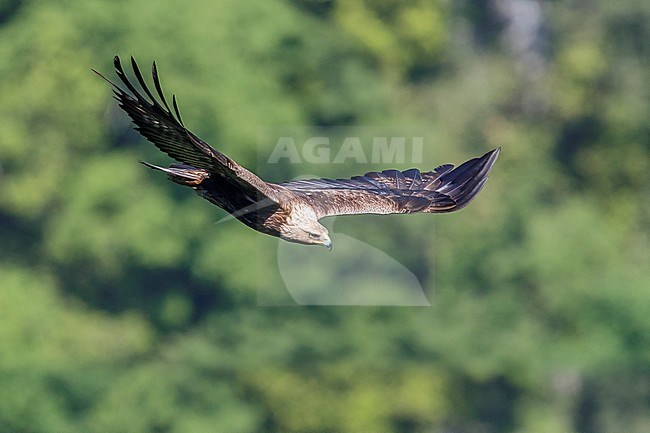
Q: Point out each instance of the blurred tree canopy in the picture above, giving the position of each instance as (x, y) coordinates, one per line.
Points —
(124, 308)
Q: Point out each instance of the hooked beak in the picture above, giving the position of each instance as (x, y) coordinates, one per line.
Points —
(328, 244)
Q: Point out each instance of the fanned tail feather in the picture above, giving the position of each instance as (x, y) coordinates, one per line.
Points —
(182, 174)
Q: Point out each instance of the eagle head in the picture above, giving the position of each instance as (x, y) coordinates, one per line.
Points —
(304, 228)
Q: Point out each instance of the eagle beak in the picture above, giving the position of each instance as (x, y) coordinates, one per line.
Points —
(328, 244)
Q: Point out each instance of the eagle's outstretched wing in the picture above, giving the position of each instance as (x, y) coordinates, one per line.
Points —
(444, 189)
(164, 128)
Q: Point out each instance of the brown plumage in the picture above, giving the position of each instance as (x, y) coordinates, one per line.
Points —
(290, 210)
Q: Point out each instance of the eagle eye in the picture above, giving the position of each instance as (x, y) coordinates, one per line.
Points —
(314, 236)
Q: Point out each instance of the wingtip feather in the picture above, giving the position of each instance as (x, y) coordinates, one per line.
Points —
(178, 113)
(465, 182)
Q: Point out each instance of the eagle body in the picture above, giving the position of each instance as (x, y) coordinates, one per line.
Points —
(289, 210)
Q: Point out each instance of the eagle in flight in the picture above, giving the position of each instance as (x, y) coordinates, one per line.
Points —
(289, 210)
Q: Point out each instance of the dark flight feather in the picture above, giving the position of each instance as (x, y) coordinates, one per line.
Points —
(167, 132)
(393, 191)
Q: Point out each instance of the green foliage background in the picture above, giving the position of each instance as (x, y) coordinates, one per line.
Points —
(124, 308)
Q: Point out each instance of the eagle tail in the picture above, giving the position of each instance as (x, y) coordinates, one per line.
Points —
(182, 174)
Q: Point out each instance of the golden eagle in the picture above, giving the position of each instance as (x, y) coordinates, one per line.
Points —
(289, 210)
